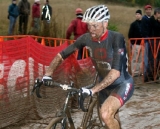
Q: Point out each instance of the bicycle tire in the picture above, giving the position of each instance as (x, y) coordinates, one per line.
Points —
(88, 121)
(58, 123)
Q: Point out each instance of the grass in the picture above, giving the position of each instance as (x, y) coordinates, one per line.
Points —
(64, 12)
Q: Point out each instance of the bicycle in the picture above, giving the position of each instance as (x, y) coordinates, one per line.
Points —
(64, 119)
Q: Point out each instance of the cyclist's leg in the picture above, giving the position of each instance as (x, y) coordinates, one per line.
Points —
(108, 111)
(118, 118)
(117, 97)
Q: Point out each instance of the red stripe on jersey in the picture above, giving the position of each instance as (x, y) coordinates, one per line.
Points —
(103, 37)
(118, 97)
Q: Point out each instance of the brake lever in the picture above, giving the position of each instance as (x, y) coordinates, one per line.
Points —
(81, 102)
(36, 87)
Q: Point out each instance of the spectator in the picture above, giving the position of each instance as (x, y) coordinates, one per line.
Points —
(155, 32)
(13, 14)
(36, 17)
(146, 29)
(24, 10)
(155, 23)
(46, 17)
(146, 21)
(135, 32)
(77, 27)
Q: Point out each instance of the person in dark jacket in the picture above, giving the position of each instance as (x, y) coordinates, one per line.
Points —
(135, 28)
(24, 10)
(135, 32)
(146, 25)
(46, 17)
(77, 27)
(155, 32)
(146, 30)
(36, 17)
(13, 14)
(155, 23)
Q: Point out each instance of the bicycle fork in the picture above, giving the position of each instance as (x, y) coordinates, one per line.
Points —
(67, 112)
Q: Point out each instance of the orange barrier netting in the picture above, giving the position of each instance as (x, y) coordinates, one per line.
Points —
(153, 43)
(46, 41)
(145, 58)
(22, 61)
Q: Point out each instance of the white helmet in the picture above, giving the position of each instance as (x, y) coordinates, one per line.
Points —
(96, 14)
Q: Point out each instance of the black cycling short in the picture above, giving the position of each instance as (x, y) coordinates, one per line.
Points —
(123, 91)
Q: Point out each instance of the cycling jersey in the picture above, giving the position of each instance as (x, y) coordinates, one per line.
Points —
(110, 53)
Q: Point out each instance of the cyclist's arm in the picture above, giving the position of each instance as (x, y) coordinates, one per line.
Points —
(54, 64)
(118, 60)
(108, 80)
(63, 55)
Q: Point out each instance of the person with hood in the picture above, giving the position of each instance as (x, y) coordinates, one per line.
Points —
(24, 10)
(13, 13)
(77, 27)
(46, 17)
(36, 17)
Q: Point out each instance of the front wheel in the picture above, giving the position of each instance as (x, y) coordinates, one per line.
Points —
(91, 119)
(58, 123)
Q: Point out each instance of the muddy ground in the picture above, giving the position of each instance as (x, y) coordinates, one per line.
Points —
(142, 111)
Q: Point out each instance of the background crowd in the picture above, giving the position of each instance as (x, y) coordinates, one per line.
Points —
(23, 9)
(145, 26)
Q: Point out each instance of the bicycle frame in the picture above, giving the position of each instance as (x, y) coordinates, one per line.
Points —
(64, 118)
(86, 115)
(65, 114)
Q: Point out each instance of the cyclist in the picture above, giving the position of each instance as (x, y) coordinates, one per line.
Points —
(108, 52)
